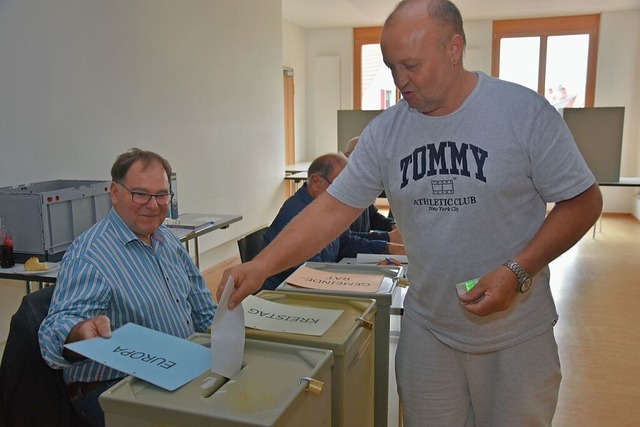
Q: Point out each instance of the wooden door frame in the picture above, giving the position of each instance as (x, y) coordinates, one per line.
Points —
(289, 122)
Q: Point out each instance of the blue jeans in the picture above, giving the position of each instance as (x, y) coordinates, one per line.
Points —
(88, 408)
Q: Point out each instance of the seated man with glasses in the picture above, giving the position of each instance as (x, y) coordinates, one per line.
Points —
(320, 175)
(128, 267)
(371, 224)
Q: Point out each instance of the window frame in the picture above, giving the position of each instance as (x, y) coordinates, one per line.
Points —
(543, 28)
(361, 37)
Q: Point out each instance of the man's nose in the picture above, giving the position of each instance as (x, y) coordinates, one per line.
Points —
(153, 201)
(400, 79)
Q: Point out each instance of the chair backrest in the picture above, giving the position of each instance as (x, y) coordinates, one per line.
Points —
(31, 393)
(251, 244)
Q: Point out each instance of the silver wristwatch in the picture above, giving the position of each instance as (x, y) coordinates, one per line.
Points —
(524, 279)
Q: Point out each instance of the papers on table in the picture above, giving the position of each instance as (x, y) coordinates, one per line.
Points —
(270, 316)
(375, 258)
(227, 336)
(164, 360)
(193, 221)
(335, 281)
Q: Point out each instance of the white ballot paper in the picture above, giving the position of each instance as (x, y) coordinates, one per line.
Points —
(227, 336)
(271, 316)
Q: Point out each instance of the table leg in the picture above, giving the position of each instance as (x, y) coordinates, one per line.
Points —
(197, 248)
(600, 220)
(596, 226)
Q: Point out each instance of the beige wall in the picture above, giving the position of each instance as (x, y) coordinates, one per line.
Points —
(198, 81)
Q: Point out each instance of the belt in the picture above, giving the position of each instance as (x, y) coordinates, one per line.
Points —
(79, 389)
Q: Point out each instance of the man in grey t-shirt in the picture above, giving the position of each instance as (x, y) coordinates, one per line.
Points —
(468, 163)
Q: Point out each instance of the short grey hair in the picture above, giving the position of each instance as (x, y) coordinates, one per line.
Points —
(125, 160)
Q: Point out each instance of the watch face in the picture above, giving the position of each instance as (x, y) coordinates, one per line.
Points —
(525, 285)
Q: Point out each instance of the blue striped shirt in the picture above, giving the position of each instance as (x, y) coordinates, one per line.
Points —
(109, 271)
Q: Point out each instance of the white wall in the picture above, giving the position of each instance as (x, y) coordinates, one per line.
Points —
(617, 78)
(477, 56)
(327, 51)
(199, 81)
(617, 85)
(616, 81)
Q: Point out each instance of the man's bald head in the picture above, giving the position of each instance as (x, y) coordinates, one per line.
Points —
(322, 171)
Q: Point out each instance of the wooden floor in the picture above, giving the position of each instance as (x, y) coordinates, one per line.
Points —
(596, 286)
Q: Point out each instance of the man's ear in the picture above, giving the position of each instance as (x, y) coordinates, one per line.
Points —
(312, 180)
(113, 192)
(456, 47)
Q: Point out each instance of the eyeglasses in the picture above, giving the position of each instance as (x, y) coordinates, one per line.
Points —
(325, 178)
(140, 198)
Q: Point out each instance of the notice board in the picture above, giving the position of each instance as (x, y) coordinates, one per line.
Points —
(598, 134)
(351, 123)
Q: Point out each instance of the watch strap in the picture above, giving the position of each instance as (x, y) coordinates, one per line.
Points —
(524, 279)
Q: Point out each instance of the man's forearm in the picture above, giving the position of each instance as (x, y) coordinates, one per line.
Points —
(567, 222)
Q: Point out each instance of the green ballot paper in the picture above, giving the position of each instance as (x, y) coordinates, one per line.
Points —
(464, 287)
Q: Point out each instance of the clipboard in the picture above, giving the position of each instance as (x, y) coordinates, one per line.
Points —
(193, 221)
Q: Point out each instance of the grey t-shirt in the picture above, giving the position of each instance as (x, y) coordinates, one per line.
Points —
(468, 191)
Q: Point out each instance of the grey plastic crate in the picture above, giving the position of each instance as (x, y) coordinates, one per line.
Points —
(45, 217)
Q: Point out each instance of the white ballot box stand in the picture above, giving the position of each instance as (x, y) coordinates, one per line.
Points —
(350, 338)
(279, 385)
(383, 296)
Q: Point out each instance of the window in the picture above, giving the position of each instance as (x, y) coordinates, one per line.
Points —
(386, 99)
(373, 87)
(554, 56)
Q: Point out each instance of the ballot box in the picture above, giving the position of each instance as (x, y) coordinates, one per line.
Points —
(278, 385)
(351, 339)
(383, 297)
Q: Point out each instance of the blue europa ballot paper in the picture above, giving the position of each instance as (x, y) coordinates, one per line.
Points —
(164, 360)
